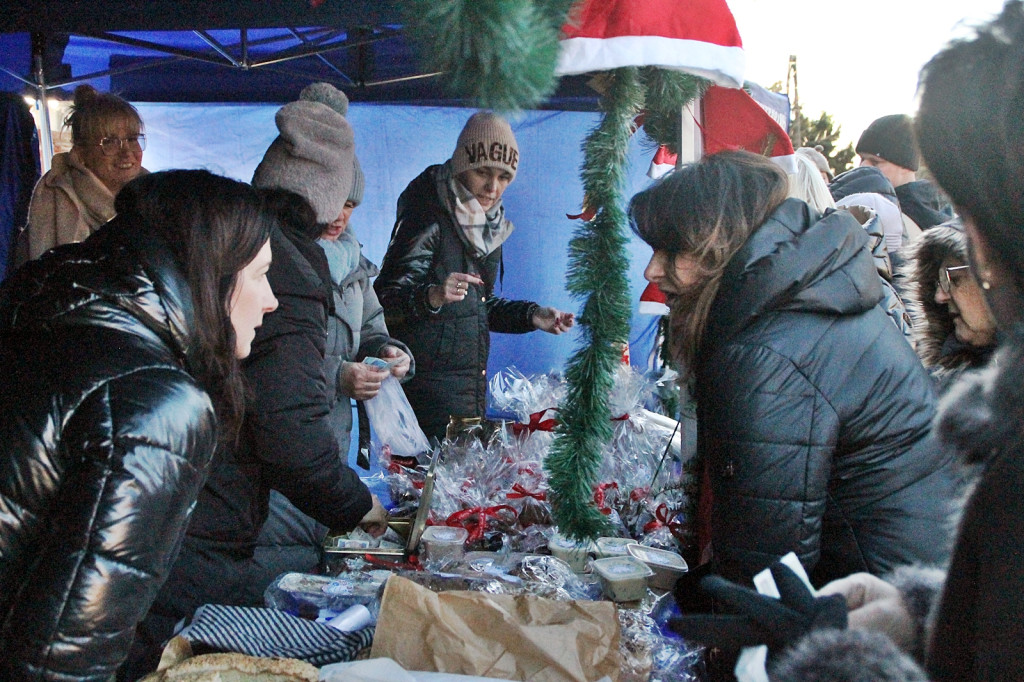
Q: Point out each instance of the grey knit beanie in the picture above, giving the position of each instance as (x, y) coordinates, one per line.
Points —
(891, 138)
(312, 156)
(486, 140)
(355, 195)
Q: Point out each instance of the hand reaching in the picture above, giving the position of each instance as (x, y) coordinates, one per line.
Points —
(552, 321)
(376, 520)
(455, 288)
(399, 360)
(361, 381)
(875, 605)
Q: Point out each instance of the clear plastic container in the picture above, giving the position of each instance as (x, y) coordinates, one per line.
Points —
(623, 578)
(609, 546)
(667, 566)
(571, 552)
(443, 542)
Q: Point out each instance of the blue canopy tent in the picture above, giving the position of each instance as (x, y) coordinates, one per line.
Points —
(208, 77)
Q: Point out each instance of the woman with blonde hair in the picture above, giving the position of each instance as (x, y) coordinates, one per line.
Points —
(813, 413)
(76, 195)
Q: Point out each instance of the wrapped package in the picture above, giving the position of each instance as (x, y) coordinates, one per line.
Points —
(509, 637)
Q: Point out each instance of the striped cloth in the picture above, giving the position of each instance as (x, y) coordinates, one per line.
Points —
(269, 632)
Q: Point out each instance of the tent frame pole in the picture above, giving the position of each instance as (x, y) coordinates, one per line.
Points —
(45, 134)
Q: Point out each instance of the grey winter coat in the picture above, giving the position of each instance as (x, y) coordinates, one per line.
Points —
(290, 540)
(813, 413)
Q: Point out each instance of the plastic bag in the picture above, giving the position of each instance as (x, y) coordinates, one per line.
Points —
(393, 423)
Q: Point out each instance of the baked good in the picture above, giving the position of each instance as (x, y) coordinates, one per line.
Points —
(234, 667)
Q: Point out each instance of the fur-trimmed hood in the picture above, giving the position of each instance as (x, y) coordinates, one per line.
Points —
(983, 412)
(940, 352)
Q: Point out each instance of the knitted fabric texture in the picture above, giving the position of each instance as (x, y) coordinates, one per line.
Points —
(312, 156)
(355, 195)
(891, 138)
(486, 141)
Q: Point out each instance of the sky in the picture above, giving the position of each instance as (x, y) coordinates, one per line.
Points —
(856, 59)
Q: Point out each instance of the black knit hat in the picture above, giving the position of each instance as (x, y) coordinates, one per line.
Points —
(891, 138)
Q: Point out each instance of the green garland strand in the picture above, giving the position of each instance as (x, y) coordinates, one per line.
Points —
(597, 274)
(667, 92)
(499, 53)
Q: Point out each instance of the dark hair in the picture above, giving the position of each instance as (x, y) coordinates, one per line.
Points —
(93, 112)
(214, 227)
(293, 212)
(706, 211)
(970, 129)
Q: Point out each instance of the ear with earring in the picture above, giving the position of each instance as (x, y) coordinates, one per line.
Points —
(985, 278)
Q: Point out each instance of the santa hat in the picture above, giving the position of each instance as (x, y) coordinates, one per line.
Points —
(664, 161)
(734, 120)
(653, 301)
(699, 37)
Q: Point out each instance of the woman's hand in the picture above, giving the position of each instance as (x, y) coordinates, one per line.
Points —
(361, 381)
(376, 520)
(875, 605)
(454, 289)
(552, 321)
(399, 360)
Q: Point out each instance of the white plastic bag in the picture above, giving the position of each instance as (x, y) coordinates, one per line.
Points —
(393, 423)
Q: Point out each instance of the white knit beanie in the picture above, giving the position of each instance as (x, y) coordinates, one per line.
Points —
(486, 140)
(312, 156)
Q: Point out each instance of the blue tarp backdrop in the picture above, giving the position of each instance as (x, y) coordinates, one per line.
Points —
(394, 144)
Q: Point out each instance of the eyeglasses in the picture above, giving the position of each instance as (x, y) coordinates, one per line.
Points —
(113, 145)
(946, 281)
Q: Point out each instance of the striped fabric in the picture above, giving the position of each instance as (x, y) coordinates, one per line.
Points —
(268, 632)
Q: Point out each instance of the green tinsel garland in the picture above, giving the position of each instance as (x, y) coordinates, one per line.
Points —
(667, 93)
(500, 53)
(597, 274)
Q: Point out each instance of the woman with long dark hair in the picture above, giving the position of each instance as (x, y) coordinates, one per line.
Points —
(813, 413)
(966, 624)
(119, 375)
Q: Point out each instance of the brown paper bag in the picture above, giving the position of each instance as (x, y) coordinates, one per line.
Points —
(507, 637)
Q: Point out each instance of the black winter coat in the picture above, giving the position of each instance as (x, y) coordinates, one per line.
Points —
(813, 412)
(106, 440)
(287, 444)
(451, 344)
(922, 201)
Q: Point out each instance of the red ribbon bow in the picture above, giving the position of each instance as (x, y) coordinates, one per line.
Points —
(603, 505)
(536, 423)
(664, 519)
(519, 492)
(475, 519)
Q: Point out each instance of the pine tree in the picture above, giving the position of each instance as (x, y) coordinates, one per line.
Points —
(823, 132)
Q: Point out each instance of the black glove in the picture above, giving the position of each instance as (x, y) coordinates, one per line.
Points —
(761, 619)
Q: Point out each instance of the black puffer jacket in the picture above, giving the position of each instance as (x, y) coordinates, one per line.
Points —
(451, 344)
(813, 412)
(106, 441)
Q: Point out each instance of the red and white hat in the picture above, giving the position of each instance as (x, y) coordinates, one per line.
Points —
(734, 120)
(698, 36)
(652, 301)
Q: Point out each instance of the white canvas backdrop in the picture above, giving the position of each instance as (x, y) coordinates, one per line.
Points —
(394, 144)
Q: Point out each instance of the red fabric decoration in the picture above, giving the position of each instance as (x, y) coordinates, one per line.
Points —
(733, 120)
(653, 301)
(696, 36)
